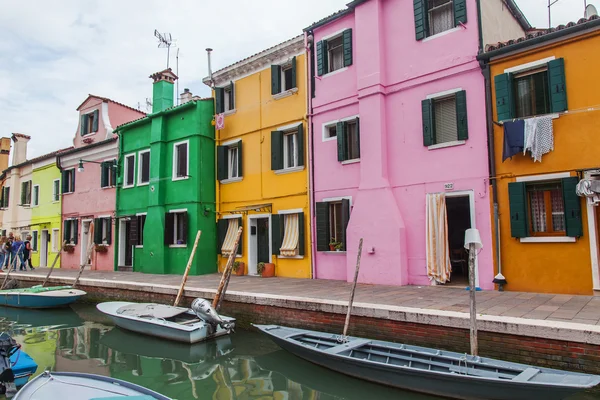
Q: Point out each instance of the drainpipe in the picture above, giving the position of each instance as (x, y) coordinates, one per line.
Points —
(117, 191)
(217, 141)
(310, 64)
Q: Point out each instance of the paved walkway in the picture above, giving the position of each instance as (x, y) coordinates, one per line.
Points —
(536, 306)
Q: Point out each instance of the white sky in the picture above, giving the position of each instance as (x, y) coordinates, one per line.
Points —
(54, 53)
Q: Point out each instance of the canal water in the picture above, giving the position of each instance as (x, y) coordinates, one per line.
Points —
(245, 365)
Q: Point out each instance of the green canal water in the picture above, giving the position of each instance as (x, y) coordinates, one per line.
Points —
(245, 365)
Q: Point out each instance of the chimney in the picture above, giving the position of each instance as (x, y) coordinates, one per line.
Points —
(185, 96)
(20, 148)
(162, 92)
(4, 152)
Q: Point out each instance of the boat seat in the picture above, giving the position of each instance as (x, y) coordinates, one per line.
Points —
(347, 346)
(479, 372)
(190, 321)
(526, 375)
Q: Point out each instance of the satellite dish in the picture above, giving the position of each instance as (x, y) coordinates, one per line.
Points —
(590, 11)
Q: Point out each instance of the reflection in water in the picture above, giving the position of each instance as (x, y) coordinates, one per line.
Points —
(245, 365)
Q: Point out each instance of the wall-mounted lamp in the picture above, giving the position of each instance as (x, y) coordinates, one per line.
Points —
(80, 166)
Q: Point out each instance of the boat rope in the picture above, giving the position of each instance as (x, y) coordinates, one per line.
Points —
(51, 377)
(464, 358)
(341, 338)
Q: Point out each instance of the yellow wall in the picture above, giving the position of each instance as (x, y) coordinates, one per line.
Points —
(47, 215)
(257, 114)
(553, 267)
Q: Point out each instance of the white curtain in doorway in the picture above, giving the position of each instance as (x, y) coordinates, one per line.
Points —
(436, 232)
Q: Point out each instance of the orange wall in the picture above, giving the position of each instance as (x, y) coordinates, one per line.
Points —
(553, 267)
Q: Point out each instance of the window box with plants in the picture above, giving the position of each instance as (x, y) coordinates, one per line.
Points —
(69, 248)
(239, 268)
(101, 248)
(334, 245)
(266, 270)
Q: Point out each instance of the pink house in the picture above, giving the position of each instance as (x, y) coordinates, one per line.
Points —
(88, 180)
(399, 138)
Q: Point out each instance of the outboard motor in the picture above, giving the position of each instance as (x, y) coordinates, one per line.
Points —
(207, 313)
(8, 346)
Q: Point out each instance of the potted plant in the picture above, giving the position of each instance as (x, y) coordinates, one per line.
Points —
(69, 248)
(338, 246)
(332, 244)
(239, 267)
(266, 270)
(100, 248)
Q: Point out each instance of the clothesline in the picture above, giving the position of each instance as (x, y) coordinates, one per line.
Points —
(576, 111)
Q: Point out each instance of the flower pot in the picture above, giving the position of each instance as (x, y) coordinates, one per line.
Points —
(332, 247)
(241, 270)
(268, 271)
(69, 249)
(101, 249)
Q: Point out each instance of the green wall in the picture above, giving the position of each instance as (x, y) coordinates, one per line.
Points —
(158, 132)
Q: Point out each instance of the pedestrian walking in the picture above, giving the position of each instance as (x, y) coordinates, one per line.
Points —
(16, 253)
(27, 254)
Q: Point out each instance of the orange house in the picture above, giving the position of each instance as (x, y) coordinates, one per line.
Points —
(545, 87)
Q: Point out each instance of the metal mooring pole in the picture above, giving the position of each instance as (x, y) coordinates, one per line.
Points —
(473, 335)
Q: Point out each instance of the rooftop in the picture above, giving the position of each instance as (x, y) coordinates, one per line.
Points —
(112, 101)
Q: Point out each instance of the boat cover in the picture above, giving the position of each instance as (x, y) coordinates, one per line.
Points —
(146, 310)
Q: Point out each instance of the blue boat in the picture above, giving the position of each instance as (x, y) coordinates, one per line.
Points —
(23, 367)
(40, 297)
(16, 367)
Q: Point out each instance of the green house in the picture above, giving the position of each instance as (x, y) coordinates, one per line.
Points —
(166, 185)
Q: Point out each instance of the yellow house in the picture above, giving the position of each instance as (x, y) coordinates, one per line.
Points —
(548, 226)
(262, 163)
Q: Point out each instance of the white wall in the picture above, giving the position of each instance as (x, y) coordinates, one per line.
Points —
(498, 23)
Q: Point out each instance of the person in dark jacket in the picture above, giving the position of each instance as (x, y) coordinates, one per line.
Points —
(27, 254)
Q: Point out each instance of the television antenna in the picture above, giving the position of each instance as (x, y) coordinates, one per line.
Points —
(590, 11)
(165, 40)
(148, 105)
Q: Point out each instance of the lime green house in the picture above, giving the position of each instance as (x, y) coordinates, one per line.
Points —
(45, 226)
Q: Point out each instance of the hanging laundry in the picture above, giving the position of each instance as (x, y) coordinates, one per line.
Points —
(590, 190)
(513, 138)
(544, 138)
(530, 126)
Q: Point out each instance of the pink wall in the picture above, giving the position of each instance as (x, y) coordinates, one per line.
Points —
(391, 74)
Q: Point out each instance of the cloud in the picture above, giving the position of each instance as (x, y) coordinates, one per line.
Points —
(54, 53)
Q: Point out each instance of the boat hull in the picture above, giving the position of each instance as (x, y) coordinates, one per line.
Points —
(455, 386)
(193, 333)
(23, 367)
(40, 297)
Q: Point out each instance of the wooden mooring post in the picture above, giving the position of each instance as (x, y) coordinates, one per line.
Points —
(347, 323)
(187, 269)
(54, 262)
(226, 273)
(473, 243)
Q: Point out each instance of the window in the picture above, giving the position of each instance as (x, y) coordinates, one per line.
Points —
(433, 17)
(330, 132)
(176, 227)
(103, 231)
(70, 233)
(180, 160)
(229, 161)
(225, 98)
(292, 239)
(34, 241)
(129, 178)
(531, 91)
(36, 196)
(445, 119)
(283, 77)
(287, 148)
(5, 196)
(227, 229)
(3, 233)
(56, 190)
(141, 222)
(546, 209)
(334, 53)
(55, 240)
(68, 181)
(108, 173)
(89, 123)
(348, 140)
(144, 167)
(26, 193)
(332, 222)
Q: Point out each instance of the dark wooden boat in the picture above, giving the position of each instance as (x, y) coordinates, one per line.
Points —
(431, 371)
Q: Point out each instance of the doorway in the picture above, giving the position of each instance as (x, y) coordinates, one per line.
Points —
(85, 237)
(125, 246)
(458, 214)
(44, 248)
(259, 241)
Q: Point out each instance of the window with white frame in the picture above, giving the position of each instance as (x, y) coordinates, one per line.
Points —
(532, 96)
(330, 131)
(347, 134)
(287, 148)
(56, 190)
(440, 15)
(180, 160)
(229, 161)
(35, 200)
(70, 231)
(68, 180)
(176, 227)
(108, 173)
(144, 167)
(141, 222)
(445, 118)
(444, 110)
(34, 241)
(547, 208)
(129, 178)
(89, 122)
(283, 77)
(105, 230)
(335, 50)
(54, 239)
(233, 159)
(228, 98)
(225, 98)
(290, 149)
(5, 197)
(26, 193)
(332, 218)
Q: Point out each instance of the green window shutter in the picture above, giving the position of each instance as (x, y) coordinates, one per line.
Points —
(35, 241)
(97, 231)
(461, 115)
(95, 123)
(460, 12)
(322, 214)
(66, 230)
(340, 128)
(75, 230)
(345, 219)
(185, 227)
(240, 169)
(84, 124)
(103, 174)
(240, 249)
(222, 172)
(505, 107)
(7, 197)
(300, 143)
(347, 42)
(294, 72)
(276, 150)
(301, 234)
(109, 231)
(358, 135)
(2, 197)
(113, 172)
(558, 85)
(517, 199)
(275, 79)
(322, 65)
(169, 226)
(420, 19)
(23, 192)
(276, 233)
(134, 233)
(72, 175)
(231, 96)
(572, 207)
(428, 127)
(219, 96)
(222, 226)
(63, 182)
